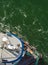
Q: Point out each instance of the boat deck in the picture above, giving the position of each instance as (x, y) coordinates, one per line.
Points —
(8, 54)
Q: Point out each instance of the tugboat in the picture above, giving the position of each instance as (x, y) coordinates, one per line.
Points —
(15, 51)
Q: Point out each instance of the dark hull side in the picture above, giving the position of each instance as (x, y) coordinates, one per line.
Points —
(27, 60)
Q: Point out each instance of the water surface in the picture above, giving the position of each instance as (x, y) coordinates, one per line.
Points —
(29, 18)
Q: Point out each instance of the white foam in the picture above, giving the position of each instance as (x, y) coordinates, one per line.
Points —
(23, 13)
(12, 14)
(18, 28)
(8, 5)
(39, 30)
(3, 19)
(34, 22)
(24, 24)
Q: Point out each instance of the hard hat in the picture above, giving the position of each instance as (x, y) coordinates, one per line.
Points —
(4, 39)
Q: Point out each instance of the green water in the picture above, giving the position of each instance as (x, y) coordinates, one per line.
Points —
(29, 18)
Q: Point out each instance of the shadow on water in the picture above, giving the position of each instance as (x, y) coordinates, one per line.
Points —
(42, 62)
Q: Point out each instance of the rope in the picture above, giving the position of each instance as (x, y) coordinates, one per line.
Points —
(36, 63)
